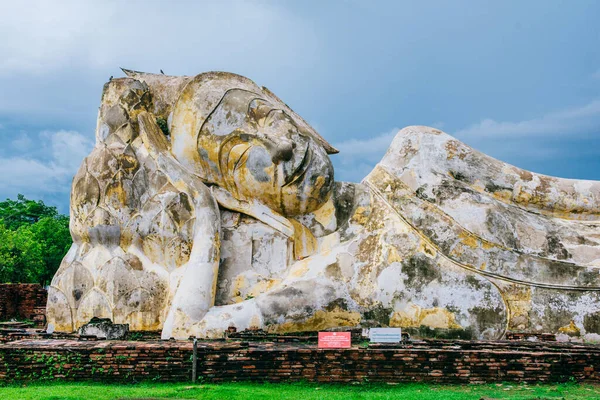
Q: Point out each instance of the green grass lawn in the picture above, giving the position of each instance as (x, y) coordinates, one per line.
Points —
(93, 391)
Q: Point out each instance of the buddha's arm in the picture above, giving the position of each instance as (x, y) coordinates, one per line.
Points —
(194, 283)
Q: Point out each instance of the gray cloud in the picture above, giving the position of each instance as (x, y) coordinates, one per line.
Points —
(566, 122)
(55, 55)
(508, 141)
(41, 36)
(49, 174)
(357, 157)
(22, 142)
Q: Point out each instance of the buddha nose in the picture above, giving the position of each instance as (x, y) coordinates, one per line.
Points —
(282, 151)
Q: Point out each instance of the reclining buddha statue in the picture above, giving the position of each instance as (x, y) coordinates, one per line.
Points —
(207, 203)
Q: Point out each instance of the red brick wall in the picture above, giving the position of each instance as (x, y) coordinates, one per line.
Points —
(21, 300)
(431, 361)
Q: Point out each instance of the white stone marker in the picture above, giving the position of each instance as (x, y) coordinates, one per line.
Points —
(385, 335)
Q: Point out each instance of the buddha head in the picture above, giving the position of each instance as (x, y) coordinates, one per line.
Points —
(234, 134)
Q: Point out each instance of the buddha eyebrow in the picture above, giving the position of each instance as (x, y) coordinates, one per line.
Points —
(273, 110)
(210, 114)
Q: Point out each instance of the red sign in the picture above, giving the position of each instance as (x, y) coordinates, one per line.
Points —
(334, 340)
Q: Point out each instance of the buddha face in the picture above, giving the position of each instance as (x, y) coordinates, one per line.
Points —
(263, 153)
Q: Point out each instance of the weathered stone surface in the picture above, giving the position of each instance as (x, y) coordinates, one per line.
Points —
(103, 328)
(208, 203)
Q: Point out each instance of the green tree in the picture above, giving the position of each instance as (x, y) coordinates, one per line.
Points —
(34, 238)
(22, 211)
(55, 238)
(21, 256)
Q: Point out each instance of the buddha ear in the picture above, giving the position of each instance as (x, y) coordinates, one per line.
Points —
(254, 209)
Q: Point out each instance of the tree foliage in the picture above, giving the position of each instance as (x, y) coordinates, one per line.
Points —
(34, 238)
(16, 213)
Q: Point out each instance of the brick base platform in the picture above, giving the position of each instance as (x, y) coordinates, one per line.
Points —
(218, 361)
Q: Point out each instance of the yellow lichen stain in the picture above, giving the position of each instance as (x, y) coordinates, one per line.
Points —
(180, 185)
(116, 190)
(126, 239)
(414, 316)
(239, 285)
(213, 289)
(299, 269)
(518, 299)
(325, 215)
(503, 195)
(541, 199)
(478, 186)
(406, 318)
(451, 150)
(522, 197)
(438, 318)
(215, 256)
(319, 182)
(427, 249)
(454, 148)
(482, 266)
(319, 321)
(305, 243)
(177, 252)
(128, 162)
(570, 329)
(457, 251)
(262, 286)
(487, 245)
(468, 239)
(361, 215)
(142, 321)
(392, 255)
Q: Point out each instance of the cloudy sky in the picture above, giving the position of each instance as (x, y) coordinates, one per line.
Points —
(517, 80)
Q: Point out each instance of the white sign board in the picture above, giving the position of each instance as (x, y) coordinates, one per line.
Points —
(385, 335)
